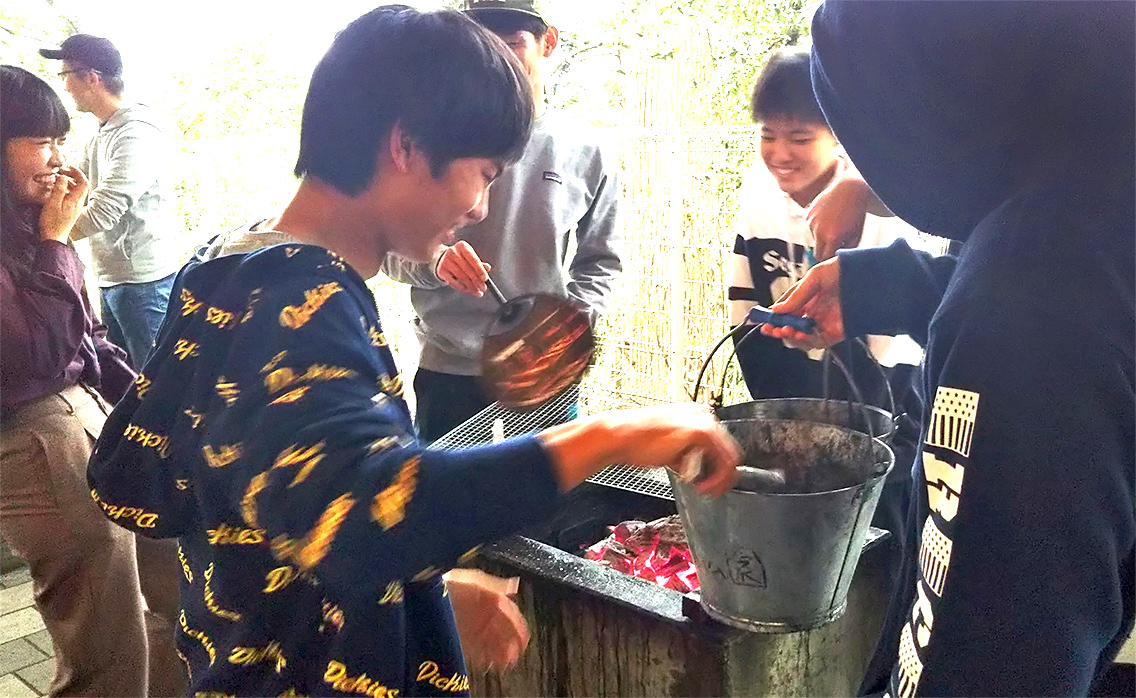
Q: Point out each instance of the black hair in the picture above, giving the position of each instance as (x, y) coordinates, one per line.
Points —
(784, 89)
(28, 108)
(454, 88)
(509, 23)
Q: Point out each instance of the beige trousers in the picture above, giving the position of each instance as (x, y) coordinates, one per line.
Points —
(109, 601)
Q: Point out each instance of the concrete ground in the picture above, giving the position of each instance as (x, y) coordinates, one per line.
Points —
(26, 664)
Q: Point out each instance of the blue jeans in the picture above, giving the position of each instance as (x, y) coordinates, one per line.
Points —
(133, 313)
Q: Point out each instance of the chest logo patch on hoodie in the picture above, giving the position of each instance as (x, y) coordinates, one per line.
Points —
(550, 176)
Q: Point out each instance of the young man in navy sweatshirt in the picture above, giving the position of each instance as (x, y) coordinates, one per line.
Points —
(268, 431)
(1009, 127)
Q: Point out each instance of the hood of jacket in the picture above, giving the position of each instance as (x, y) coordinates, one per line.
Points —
(136, 112)
(948, 108)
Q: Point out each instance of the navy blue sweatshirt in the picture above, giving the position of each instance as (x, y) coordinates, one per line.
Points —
(269, 434)
(1012, 131)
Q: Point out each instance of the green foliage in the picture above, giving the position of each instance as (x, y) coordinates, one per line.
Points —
(728, 39)
(603, 42)
(27, 26)
(239, 118)
(242, 91)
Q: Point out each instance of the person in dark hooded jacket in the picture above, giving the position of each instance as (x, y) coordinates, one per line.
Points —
(1009, 127)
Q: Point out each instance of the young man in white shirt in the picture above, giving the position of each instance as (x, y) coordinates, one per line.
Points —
(775, 247)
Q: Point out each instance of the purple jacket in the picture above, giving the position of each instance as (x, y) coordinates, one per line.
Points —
(49, 337)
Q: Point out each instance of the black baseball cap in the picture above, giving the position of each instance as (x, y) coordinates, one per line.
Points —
(93, 52)
(487, 8)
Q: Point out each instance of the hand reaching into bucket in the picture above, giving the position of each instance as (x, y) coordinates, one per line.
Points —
(816, 296)
(666, 435)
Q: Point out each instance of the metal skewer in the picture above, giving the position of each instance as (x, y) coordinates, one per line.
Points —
(496, 292)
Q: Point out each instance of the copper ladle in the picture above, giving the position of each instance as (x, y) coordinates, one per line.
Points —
(536, 346)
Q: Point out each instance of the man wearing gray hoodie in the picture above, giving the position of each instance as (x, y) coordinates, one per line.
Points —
(127, 217)
(552, 228)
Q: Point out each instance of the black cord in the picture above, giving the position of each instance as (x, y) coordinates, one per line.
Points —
(882, 372)
(726, 368)
(710, 357)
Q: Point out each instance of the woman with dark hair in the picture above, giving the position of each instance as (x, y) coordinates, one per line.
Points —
(57, 371)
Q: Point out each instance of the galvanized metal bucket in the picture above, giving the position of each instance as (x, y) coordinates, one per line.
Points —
(783, 561)
(866, 419)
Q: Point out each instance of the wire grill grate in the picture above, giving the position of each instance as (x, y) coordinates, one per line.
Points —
(478, 429)
(653, 482)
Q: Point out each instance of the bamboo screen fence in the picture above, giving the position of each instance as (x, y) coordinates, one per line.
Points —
(678, 209)
(679, 181)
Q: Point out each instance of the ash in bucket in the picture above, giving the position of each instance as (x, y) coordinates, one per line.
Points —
(811, 460)
(800, 476)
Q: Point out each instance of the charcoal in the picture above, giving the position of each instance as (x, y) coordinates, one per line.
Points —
(655, 551)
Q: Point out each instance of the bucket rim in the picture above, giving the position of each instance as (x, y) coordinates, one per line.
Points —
(866, 483)
(876, 442)
(853, 403)
(888, 417)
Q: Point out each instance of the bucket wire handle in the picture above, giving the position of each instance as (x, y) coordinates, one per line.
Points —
(713, 351)
(756, 316)
(720, 399)
(883, 375)
(896, 416)
(848, 550)
(830, 357)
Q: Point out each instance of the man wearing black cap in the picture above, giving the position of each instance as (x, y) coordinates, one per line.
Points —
(1008, 127)
(128, 217)
(565, 184)
(125, 218)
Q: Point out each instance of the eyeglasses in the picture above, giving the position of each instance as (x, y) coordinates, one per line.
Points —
(64, 73)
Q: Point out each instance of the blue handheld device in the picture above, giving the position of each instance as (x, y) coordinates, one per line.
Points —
(761, 315)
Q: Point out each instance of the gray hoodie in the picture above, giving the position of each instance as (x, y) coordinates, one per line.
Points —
(129, 216)
(552, 228)
(243, 239)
